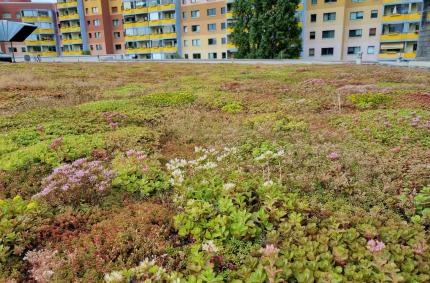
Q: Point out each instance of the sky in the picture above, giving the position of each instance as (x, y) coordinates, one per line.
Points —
(44, 1)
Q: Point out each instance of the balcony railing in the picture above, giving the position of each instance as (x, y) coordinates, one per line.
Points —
(402, 17)
(79, 52)
(151, 23)
(70, 29)
(170, 49)
(397, 55)
(44, 31)
(150, 9)
(36, 19)
(399, 36)
(67, 5)
(72, 41)
(150, 36)
(40, 42)
(68, 17)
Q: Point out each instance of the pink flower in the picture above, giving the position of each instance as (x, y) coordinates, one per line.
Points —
(396, 149)
(375, 246)
(333, 156)
(387, 124)
(269, 251)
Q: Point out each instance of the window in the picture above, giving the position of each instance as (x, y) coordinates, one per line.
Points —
(314, 2)
(195, 42)
(97, 34)
(356, 15)
(96, 23)
(195, 28)
(91, 47)
(311, 52)
(90, 35)
(184, 15)
(211, 27)
(88, 23)
(197, 56)
(18, 15)
(355, 32)
(212, 41)
(86, 11)
(118, 47)
(13, 49)
(223, 9)
(357, 1)
(370, 49)
(354, 50)
(185, 43)
(116, 34)
(223, 26)
(313, 18)
(330, 1)
(114, 10)
(212, 55)
(328, 51)
(312, 35)
(211, 12)
(224, 55)
(95, 10)
(327, 34)
(185, 29)
(99, 47)
(186, 56)
(195, 14)
(329, 17)
(223, 40)
(374, 14)
(115, 23)
(7, 15)
(372, 31)
(23, 49)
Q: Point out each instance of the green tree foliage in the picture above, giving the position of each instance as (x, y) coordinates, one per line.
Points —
(266, 29)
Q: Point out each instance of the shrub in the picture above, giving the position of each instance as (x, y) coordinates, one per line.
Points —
(232, 107)
(138, 175)
(168, 99)
(370, 100)
(82, 181)
(19, 221)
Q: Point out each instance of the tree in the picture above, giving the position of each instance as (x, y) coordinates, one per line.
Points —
(266, 29)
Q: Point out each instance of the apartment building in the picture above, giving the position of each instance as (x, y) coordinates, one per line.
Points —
(401, 25)
(72, 27)
(204, 29)
(44, 40)
(152, 29)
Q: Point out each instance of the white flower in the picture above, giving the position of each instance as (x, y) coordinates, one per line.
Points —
(268, 183)
(229, 186)
(210, 247)
(114, 277)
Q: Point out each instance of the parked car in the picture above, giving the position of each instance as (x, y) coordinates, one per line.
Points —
(5, 57)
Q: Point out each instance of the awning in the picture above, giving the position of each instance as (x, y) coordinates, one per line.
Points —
(394, 45)
(15, 31)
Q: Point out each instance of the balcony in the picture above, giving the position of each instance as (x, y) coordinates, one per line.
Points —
(231, 46)
(300, 7)
(229, 30)
(69, 17)
(170, 49)
(151, 23)
(397, 55)
(402, 17)
(70, 29)
(150, 9)
(40, 42)
(67, 5)
(36, 19)
(72, 41)
(68, 53)
(229, 15)
(399, 36)
(150, 36)
(44, 31)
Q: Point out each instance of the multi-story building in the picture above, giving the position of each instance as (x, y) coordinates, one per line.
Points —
(401, 24)
(340, 30)
(152, 29)
(204, 29)
(44, 40)
(72, 27)
(423, 50)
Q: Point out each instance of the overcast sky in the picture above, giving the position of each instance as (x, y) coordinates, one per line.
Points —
(43, 1)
